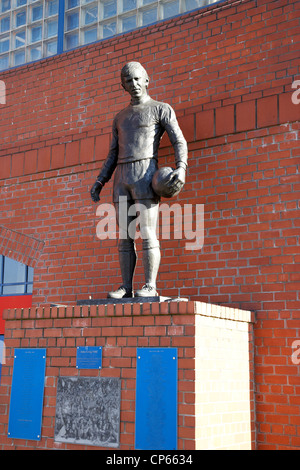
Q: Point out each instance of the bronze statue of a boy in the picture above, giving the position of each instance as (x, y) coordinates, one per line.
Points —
(133, 155)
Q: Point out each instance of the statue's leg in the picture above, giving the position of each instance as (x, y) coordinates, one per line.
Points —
(148, 213)
(127, 260)
(127, 252)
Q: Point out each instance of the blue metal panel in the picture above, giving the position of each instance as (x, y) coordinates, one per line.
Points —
(61, 26)
(156, 399)
(27, 392)
(89, 357)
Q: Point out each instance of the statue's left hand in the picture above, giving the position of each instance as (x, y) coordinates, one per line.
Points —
(177, 179)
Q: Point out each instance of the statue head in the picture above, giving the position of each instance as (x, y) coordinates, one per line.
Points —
(135, 80)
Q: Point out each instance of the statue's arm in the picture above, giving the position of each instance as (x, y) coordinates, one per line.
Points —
(179, 144)
(108, 166)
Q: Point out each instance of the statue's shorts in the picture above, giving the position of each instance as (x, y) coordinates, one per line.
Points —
(133, 180)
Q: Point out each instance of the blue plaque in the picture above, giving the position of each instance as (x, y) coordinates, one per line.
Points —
(156, 399)
(27, 393)
(89, 357)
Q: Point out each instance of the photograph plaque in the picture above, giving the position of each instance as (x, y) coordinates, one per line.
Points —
(156, 399)
(88, 411)
(27, 393)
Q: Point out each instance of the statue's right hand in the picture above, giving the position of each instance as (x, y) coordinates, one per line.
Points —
(95, 191)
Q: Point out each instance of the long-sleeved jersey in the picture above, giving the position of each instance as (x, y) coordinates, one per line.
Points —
(136, 134)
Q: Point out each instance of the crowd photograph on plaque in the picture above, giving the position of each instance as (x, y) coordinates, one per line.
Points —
(88, 411)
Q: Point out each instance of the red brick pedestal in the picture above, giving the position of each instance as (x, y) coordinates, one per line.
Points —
(215, 373)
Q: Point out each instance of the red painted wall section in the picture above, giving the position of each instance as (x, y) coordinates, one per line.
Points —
(11, 302)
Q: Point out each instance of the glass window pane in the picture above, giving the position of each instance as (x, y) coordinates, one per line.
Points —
(52, 7)
(36, 33)
(5, 5)
(129, 23)
(29, 288)
(37, 13)
(21, 18)
(90, 36)
(19, 58)
(36, 53)
(72, 21)
(72, 40)
(129, 5)
(20, 39)
(14, 271)
(90, 15)
(4, 44)
(21, 3)
(109, 29)
(4, 62)
(192, 4)
(171, 9)
(5, 24)
(51, 29)
(51, 48)
(30, 274)
(149, 16)
(109, 8)
(72, 4)
(11, 290)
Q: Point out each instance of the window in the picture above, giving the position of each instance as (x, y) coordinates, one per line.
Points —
(28, 31)
(15, 278)
(34, 29)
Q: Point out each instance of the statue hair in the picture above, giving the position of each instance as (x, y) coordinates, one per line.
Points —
(129, 67)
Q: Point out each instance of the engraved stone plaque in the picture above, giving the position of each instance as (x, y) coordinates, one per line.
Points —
(88, 411)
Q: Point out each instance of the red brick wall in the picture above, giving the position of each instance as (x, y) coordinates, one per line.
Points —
(227, 70)
(120, 329)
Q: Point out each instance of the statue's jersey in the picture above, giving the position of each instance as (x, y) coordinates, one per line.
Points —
(137, 131)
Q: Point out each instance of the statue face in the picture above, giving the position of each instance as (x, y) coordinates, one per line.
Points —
(136, 83)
